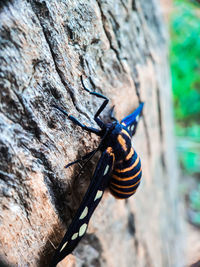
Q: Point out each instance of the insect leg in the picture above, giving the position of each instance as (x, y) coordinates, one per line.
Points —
(106, 100)
(111, 114)
(75, 121)
(93, 153)
(81, 159)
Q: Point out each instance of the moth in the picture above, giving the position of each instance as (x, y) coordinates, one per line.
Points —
(119, 169)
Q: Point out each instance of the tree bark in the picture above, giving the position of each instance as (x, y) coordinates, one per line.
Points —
(120, 48)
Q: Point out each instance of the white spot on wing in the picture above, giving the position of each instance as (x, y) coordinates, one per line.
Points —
(132, 127)
(98, 194)
(64, 246)
(74, 236)
(106, 170)
(84, 213)
(82, 229)
(137, 118)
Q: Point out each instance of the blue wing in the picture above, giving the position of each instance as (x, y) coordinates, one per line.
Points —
(131, 120)
(78, 227)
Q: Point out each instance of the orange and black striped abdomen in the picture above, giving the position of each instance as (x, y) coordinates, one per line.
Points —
(126, 176)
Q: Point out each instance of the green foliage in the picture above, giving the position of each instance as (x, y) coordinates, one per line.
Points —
(185, 61)
(185, 68)
(189, 154)
(194, 198)
(196, 218)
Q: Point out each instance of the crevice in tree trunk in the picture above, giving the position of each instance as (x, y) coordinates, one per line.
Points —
(160, 128)
(137, 88)
(67, 85)
(109, 38)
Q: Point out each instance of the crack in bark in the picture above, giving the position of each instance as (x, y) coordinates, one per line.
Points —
(141, 21)
(137, 86)
(15, 180)
(32, 124)
(35, 63)
(101, 64)
(163, 161)
(23, 200)
(147, 257)
(147, 136)
(53, 55)
(109, 38)
(55, 187)
(9, 176)
(131, 219)
(131, 224)
(159, 115)
(133, 5)
(4, 3)
(125, 7)
(115, 29)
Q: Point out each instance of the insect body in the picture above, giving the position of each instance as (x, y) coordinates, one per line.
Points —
(118, 168)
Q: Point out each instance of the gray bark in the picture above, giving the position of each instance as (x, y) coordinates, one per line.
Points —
(120, 48)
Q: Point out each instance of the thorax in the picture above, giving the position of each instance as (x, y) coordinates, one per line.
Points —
(120, 141)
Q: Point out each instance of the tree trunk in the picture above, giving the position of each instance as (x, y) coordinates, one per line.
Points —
(120, 48)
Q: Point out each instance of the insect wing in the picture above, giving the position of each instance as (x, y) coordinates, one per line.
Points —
(131, 120)
(78, 227)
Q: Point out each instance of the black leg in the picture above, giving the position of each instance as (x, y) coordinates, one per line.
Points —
(81, 159)
(111, 114)
(94, 152)
(106, 100)
(75, 121)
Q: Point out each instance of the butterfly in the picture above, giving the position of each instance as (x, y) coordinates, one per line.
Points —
(119, 169)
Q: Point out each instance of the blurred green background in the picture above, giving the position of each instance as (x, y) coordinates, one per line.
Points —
(185, 69)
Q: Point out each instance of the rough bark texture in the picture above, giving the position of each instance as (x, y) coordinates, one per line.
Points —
(120, 47)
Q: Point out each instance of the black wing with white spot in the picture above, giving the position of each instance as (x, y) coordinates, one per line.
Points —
(78, 227)
(131, 120)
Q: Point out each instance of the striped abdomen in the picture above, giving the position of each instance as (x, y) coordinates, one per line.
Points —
(126, 176)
